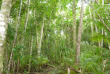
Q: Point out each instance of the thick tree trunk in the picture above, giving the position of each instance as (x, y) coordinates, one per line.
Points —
(74, 24)
(79, 33)
(4, 15)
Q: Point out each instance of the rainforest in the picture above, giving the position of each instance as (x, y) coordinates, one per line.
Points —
(54, 36)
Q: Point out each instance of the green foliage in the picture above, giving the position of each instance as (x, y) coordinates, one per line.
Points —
(57, 39)
(92, 59)
(17, 52)
(10, 33)
(39, 61)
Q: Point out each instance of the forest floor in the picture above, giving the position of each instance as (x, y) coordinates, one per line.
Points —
(53, 70)
(49, 69)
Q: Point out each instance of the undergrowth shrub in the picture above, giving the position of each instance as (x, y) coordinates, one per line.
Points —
(92, 58)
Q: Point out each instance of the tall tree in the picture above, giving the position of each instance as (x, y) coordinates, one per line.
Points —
(27, 15)
(40, 41)
(91, 21)
(94, 17)
(79, 32)
(15, 38)
(74, 24)
(4, 16)
(102, 2)
(30, 55)
(102, 28)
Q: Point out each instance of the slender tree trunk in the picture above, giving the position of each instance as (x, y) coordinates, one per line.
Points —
(92, 27)
(100, 18)
(68, 42)
(13, 66)
(69, 37)
(107, 41)
(109, 45)
(74, 24)
(26, 19)
(4, 15)
(102, 38)
(96, 29)
(36, 26)
(102, 28)
(27, 15)
(102, 2)
(108, 1)
(18, 63)
(6, 56)
(97, 1)
(79, 33)
(10, 60)
(66, 36)
(40, 41)
(25, 26)
(17, 25)
(91, 21)
(68, 70)
(30, 55)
